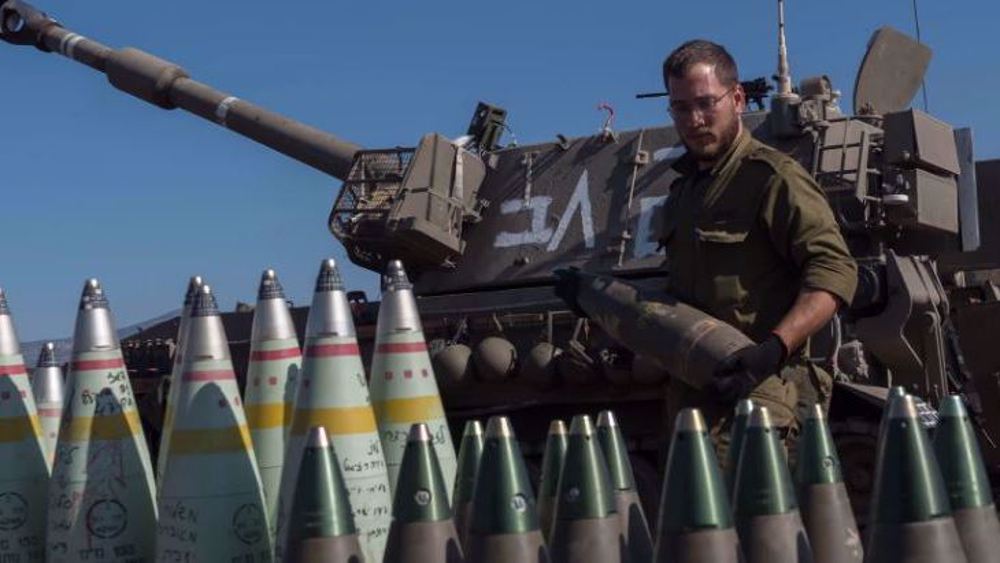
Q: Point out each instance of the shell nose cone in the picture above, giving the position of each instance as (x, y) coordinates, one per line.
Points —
(205, 335)
(47, 356)
(903, 407)
(744, 407)
(272, 319)
(585, 486)
(908, 486)
(473, 428)
(612, 443)
(204, 303)
(960, 460)
(694, 495)
(763, 484)
(395, 277)
(557, 427)
(9, 344)
(93, 296)
(398, 311)
(760, 418)
(818, 463)
(330, 313)
(47, 382)
(194, 284)
(607, 419)
(95, 325)
(420, 494)
(499, 427)
(270, 287)
(894, 392)
(320, 507)
(952, 407)
(690, 420)
(419, 433)
(329, 277)
(318, 438)
(581, 425)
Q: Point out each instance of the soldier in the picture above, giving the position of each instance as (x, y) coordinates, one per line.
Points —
(750, 239)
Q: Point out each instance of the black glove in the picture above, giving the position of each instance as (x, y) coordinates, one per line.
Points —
(568, 287)
(743, 370)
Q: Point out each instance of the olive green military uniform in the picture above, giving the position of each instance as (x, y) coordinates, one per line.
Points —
(742, 240)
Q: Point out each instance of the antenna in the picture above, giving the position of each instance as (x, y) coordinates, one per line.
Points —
(784, 116)
(784, 76)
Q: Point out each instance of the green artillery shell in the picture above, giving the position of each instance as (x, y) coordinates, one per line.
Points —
(825, 506)
(767, 516)
(469, 453)
(272, 379)
(211, 505)
(101, 496)
(505, 518)
(893, 393)
(321, 527)
(404, 391)
(911, 521)
(635, 528)
(333, 394)
(966, 483)
(47, 384)
(422, 530)
(737, 430)
(696, 524)
(548, 488)
(24, 465)
(586, 528)
(194, 286)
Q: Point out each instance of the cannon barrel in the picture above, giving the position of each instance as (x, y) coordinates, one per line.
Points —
(168, 86)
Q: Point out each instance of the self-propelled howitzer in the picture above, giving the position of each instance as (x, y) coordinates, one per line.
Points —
(481, 228)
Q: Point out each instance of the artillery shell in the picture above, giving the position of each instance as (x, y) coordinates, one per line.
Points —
(695, 524)
(333, 394)
(403, 389)
(101, 495)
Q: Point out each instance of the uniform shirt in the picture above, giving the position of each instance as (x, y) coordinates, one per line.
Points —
(743, 238)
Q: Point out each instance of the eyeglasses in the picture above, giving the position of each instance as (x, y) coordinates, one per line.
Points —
(705, 105)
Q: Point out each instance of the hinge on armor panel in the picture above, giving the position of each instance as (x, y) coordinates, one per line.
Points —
(639, 159)
(528, 161)
(907, 336)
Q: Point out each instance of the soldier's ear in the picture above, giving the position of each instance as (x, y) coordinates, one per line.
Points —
(740, 98)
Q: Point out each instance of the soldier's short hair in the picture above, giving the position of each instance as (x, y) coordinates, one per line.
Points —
(696, 51)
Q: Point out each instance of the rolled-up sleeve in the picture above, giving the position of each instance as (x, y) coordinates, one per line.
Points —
(802, 228)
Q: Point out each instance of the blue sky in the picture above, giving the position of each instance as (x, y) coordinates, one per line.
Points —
(98, 184)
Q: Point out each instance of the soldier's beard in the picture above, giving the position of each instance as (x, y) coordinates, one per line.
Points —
(711, 149)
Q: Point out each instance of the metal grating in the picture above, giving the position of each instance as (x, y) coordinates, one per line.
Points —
(371, 188)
